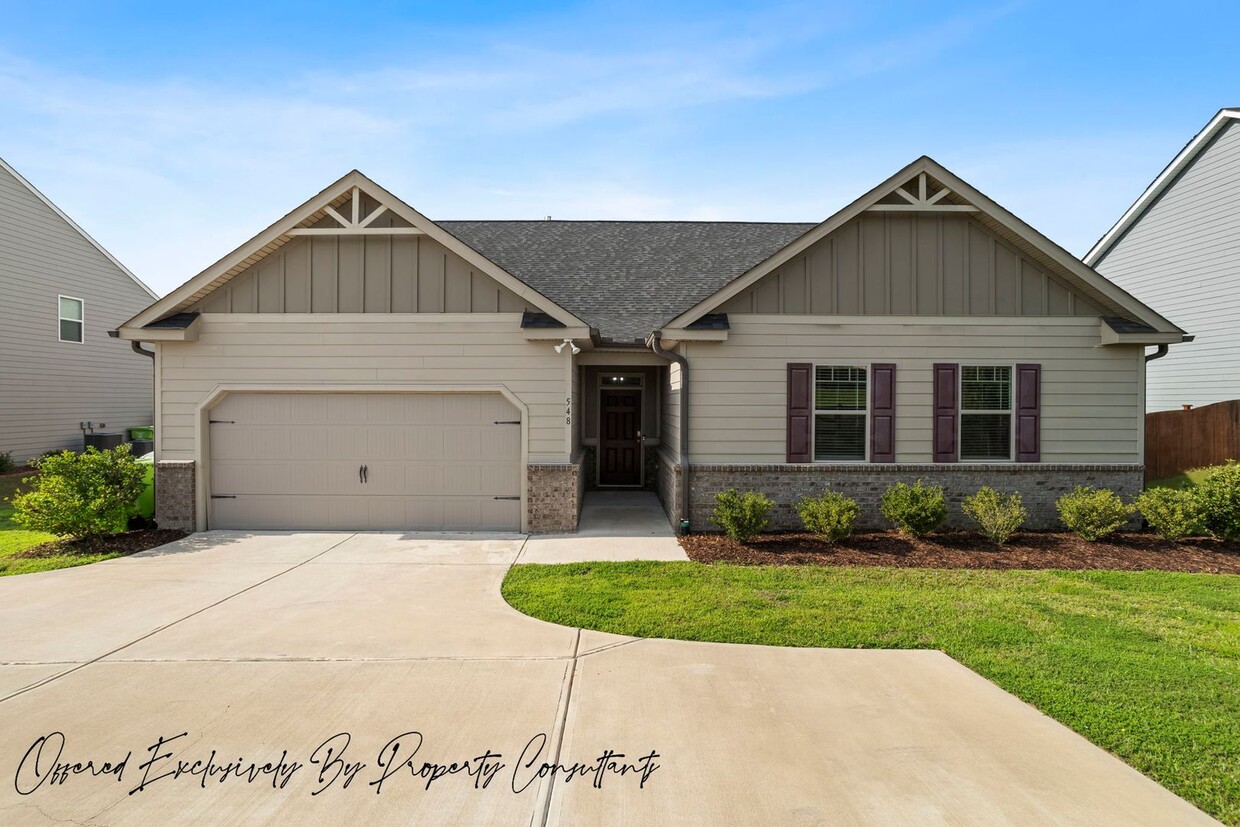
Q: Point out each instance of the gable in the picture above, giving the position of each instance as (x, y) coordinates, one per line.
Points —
(903, 263)
(362, 274)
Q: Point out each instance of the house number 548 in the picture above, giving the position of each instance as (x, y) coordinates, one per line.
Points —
(568, 410)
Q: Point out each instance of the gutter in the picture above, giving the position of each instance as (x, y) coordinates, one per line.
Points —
(136, 345)
(656, 345)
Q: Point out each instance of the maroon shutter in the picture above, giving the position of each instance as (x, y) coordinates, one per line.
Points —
(882, 413)
(946, 412)
(1028, 413)
(800, 411)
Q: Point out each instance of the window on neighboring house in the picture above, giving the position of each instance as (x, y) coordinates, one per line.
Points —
(70, 312)
(840, 405)
(985, 412)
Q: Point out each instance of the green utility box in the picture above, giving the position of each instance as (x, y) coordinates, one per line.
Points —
(146, 432)
(145, 507)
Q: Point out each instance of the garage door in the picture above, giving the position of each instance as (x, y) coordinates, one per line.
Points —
(449, 461)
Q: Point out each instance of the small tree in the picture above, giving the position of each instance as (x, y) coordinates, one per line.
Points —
(999, 515)
(80, 495)
(1093, 513)
(742, 516)
(830, 516)
(915, 509)
(1173, 513)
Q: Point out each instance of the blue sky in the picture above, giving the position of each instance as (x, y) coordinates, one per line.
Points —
(173, 132)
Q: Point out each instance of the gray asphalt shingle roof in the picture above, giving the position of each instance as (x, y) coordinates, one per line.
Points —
(626, 278)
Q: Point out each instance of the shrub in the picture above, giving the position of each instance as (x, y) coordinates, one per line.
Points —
(915, 509)
(830, 516)
(6, 462)
(742, 516)
(1218, 495)
(1173, 513)
(1093, 513)
(999, 515)
(81, 495)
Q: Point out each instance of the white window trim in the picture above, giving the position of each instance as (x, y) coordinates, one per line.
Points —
(865, 412)
(60, 318)
(1011, 412)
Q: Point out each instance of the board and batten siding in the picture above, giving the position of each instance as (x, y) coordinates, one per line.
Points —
(900, 264)
(362, 274)
(47, 386)
(303, 350)
(737, 388)
(1182, 257)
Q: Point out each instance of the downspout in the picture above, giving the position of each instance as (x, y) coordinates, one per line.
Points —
(137, 348)
(656, 345)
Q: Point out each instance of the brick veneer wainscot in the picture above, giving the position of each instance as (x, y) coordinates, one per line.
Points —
(175, 494)
(552, 498)
(1039, 484)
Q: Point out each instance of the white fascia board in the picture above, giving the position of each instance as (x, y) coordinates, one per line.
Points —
(161, 334)
(580, 334)
(1178, 164)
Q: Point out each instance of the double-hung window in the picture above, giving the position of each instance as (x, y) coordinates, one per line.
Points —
(840, 411)
(985, 412)
(70, 315)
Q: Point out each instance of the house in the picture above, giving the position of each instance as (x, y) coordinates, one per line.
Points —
(357, 365)
(1178, 248)
(62, 294)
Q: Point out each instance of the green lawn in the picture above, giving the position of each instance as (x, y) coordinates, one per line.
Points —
(1144, 664)
(1187, 479)
(14, 539)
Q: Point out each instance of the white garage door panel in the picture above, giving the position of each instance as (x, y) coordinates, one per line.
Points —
(434, 461)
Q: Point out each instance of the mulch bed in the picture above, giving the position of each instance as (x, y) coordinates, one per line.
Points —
(965, 550)
(129, 542)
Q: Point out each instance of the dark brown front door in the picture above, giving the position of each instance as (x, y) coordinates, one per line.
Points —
(619, 444)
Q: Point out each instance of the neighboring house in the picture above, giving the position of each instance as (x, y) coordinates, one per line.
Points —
(62, 294)
(1178, 248)
(356, 365)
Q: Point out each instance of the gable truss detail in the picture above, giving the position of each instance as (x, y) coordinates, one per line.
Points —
(921, 202)
(355, 224)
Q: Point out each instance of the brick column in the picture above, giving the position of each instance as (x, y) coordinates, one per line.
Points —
(552, 498)
(175, 494)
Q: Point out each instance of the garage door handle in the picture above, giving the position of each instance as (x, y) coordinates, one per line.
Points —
(507, 422)
(505, 498)
(223, 496)
(360, 479)
(366, 473)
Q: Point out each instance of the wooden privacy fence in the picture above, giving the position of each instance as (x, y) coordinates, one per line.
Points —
(1176, 441)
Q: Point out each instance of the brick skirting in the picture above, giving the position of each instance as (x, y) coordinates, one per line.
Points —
(553, 498)
(175, 494)
(1039, 484)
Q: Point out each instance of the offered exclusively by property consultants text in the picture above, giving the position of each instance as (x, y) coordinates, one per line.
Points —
(336, 764)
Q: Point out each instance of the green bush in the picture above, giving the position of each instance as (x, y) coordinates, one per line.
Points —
(915, 509)
(1173, 513)
(830, 516)
(81, 495)
(742, 516)
(1093, 513)
(999, 515)
(6, 462)
(1218, 495)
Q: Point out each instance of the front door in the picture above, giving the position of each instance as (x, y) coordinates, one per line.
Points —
(619, 445)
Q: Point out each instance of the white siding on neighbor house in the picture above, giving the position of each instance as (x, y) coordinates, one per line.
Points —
(737, 388)
(304, 350)
(1182, 257)
(47, 386)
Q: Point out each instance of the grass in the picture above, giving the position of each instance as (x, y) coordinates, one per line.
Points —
(1144, 664)
(14, 540)
(1187, 479)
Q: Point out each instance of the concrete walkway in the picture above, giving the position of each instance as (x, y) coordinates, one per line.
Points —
(614, 525)
(324, 650)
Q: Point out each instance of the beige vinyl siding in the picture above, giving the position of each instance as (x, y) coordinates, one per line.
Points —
(901, 264)
(305, 350)
(669, 433)
(1090, 393)
(362, 274)
(47, 386)
(1182, 257)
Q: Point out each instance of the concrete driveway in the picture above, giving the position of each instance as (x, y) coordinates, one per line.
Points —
(319, 678)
